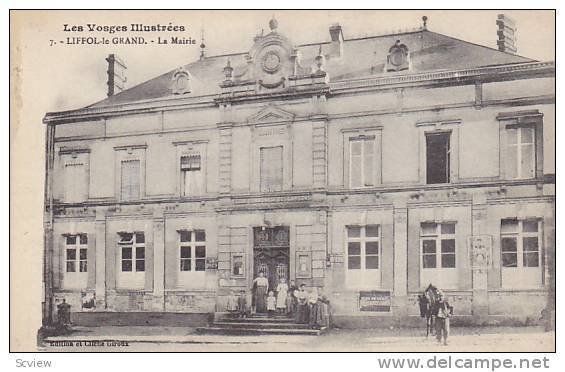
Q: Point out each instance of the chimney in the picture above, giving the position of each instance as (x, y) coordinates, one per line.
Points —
(506, 34)
(116, 75)
(336, 48)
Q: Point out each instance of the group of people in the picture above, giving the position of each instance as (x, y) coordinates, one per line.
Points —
(290, 300)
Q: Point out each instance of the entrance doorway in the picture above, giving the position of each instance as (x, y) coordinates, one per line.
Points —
(271, 253)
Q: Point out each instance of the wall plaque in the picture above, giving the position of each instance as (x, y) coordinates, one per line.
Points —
(375, 301)
(480, 251)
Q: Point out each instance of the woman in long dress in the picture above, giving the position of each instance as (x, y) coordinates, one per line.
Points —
(282, 291)
(261, 286)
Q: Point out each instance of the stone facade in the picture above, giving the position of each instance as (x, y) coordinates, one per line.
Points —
(274, 98)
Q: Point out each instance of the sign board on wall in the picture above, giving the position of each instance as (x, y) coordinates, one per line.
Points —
(376, 301)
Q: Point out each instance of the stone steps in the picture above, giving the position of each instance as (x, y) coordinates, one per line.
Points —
(262, 325)
(258, 324)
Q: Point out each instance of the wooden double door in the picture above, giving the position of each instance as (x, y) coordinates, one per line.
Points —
(271, 254)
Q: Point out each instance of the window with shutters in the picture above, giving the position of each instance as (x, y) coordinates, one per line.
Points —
(130, 185)
(192, 180)
(520, 252)
(271, 168)
(437, 157)
(76, 261)
(131, 250)
(438, 254)
(362, 162)
(76, 182)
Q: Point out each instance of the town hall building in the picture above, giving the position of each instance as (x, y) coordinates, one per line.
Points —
(367, 168)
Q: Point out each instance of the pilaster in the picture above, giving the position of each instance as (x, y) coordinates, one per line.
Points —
(100, 260)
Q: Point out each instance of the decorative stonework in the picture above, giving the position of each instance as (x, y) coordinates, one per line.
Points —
(180, 81)
(398, 58)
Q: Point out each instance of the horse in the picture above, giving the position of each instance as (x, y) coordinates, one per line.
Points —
(428, 302)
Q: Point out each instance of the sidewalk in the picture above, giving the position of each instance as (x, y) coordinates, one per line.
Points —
(379, 340)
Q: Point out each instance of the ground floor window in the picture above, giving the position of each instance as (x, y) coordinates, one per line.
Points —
(131, 250)
(363, 253)
(76, 261)
(520, 252)
(438, 254)
(192, 258)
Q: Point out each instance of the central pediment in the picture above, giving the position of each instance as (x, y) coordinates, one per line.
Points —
(271, 114)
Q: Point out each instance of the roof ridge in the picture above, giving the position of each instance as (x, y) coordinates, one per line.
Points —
(483, 46)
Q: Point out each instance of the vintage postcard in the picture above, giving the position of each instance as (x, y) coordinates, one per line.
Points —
(259, 181)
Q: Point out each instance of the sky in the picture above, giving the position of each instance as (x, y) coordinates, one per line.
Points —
(76, 75)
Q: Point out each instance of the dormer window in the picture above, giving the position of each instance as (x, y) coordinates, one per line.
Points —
(398, 58)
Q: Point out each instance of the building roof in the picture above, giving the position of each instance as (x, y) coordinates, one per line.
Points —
(361, 58)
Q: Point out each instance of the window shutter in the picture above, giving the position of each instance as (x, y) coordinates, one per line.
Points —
(271, 168)
(355, 160)
(75, 182)
(130, 180)
(190, 162)
(368, 161)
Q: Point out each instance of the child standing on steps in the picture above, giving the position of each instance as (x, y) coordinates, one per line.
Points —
(271, 304)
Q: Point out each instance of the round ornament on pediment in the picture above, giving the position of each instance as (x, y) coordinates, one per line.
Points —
(271, 62)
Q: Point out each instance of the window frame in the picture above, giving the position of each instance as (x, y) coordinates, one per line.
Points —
(519, 146)
(447, 170)
(519, 235)
(364, 181)
(523, 119)
(193, 244)
(363, 277)
(350, 135)
(438, 237)
(135, 277)
(78, 277)
(192, 278)
(438, 126)
(123, 197)
(363, 239)
(125, 154)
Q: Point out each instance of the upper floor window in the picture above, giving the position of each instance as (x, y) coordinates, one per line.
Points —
(75, 163)
(130, 185)
(521, 151)
(271, 168)
(192, 180)
(521, 144)
(437, 157)
(130, 172)
(76, 188)
(362, 162)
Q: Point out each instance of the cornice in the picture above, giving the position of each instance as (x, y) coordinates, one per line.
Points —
(433, 78)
